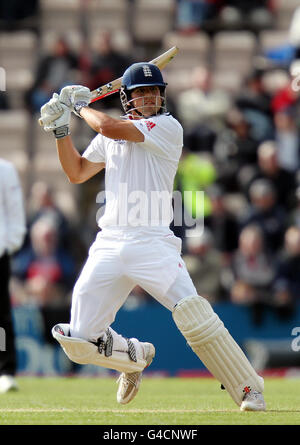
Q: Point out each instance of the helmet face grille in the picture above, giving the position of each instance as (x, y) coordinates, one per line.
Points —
(141, 75)
(127, 102)
(124, 100)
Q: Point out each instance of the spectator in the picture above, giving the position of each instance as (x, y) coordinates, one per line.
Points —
(42, 204)
(234, 148)
(287, 139)
(195, 174)
(294, 32)
(222, 223)
(200, 138)
(287, 283)
(247, 14)
(14, 11)
(53, 73)
(269, 168)
(45, 269)
(205, 264)
(191, 15)
(4, 101)
(253, 272)
(107, 64)
(12, 231)
(286, 97)
(254, 101)
(201, 103)
(265, 212)
(294, 216)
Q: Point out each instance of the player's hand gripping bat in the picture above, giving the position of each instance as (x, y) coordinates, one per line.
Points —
(114, 86)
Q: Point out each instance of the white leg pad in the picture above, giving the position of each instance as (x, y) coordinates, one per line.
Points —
(212, 343)
(84, 352)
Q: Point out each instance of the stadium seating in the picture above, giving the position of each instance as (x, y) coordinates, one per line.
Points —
(18, 58)
(228, 80)
(194, 49)
(234, 50)
(49, 36)
(284, 13)
(271, 39)
(152, 20)
(106, 15)
(121, 40)
(14, 133)
(60, 15)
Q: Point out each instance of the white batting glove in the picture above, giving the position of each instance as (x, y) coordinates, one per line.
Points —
(55, 117)
(75, 97)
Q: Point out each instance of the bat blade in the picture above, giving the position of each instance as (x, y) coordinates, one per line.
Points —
(102, 96)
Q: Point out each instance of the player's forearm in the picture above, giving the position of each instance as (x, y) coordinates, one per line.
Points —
(98, 121)
(69, 158)
(110, 127)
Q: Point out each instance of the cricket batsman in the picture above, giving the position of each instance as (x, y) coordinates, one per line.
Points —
(140, 153)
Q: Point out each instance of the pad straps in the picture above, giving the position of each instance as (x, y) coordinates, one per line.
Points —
(131, 350)
(107, 346)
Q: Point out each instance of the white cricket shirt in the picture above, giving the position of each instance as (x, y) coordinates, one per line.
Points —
(12, 214)
(139, 176)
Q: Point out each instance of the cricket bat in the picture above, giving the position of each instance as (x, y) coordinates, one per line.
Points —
(112, 87)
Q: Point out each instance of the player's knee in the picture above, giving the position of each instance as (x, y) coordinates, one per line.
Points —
(196, 319)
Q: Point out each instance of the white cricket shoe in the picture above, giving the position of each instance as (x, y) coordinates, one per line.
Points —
(253, 401)
(7, 383)
(129, 383)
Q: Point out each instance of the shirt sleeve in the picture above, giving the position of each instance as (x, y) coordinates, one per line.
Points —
(163, 136)
(95, 152)
(14, 210)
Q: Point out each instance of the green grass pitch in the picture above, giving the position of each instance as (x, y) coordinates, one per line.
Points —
(160, 401)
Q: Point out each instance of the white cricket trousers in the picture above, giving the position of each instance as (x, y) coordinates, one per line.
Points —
(117, 262)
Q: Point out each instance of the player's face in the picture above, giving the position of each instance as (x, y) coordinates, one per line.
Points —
(147, 100)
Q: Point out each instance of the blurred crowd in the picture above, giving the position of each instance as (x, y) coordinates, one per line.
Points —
(194, 15)
(62, 65)
(244, 153)
(241, 150)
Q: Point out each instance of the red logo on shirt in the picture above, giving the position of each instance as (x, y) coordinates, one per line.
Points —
(150, 125)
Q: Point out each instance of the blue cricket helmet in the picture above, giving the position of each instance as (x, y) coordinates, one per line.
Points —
(141, 74)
